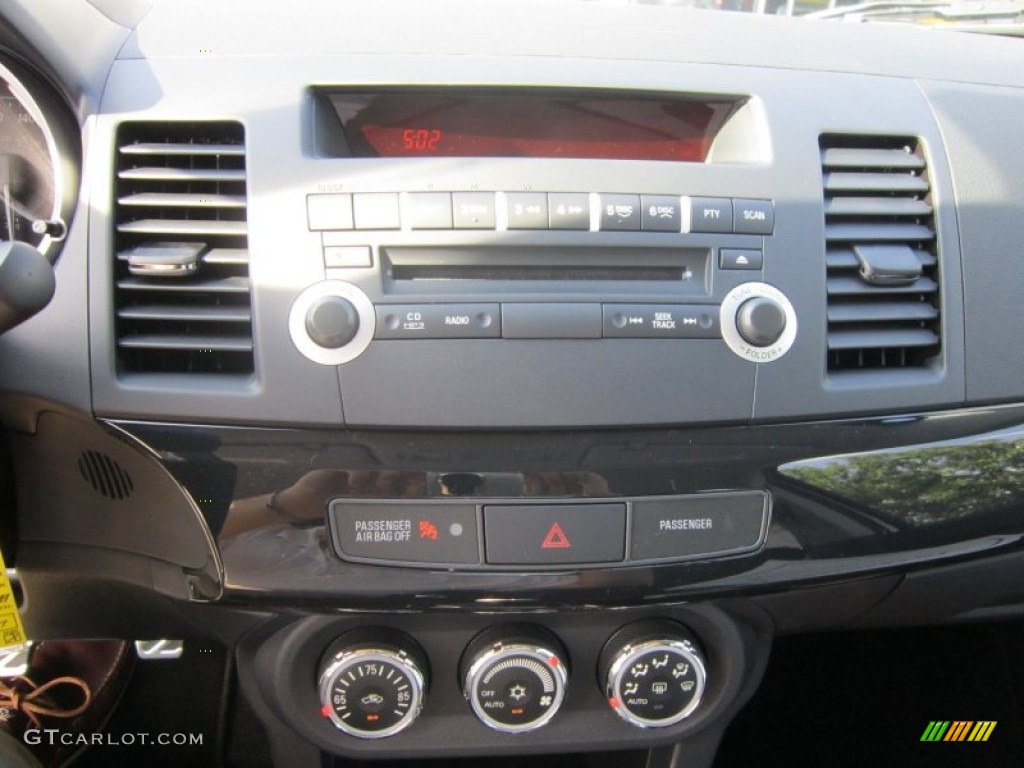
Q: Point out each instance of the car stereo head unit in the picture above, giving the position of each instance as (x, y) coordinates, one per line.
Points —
(560, 241)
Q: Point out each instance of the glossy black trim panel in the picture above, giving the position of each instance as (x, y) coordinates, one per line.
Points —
(949, 492)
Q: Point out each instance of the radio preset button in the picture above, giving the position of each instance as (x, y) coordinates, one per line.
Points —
(569, 210)
(710, 214)
(653, 321)
(430, 210)
(753, 217)
(661, 213)
(376, 210)
(740, 258)
(438, 321)
(527, 210)
(473, 210)
(328, 212)
(620, 213)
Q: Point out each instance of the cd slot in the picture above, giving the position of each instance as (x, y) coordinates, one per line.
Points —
(545, 273)
(517, 269)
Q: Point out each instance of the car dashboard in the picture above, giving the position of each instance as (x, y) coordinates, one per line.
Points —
(539, 363)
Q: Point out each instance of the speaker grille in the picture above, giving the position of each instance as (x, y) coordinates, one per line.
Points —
(105, 475)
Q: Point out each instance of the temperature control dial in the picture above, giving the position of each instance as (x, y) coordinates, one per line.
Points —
(653, 674)
(372, 687)
(515, 681)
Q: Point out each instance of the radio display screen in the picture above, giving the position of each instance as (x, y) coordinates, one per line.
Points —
(542, 124)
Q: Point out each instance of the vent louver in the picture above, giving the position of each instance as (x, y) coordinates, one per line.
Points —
(881, 254)
(182, 291)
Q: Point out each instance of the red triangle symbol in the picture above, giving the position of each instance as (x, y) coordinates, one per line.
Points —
(556, 538)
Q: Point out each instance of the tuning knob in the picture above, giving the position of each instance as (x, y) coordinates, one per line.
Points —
(758, 322)
(653, 673)
(372, 683)
(761, 321)
(515, 678)
(332, 321)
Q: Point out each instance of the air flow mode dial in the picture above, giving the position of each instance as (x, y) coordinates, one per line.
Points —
(372, 686)
(653, 674)
(515, 679)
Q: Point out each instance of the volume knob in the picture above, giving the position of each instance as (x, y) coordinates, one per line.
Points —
(332, 321)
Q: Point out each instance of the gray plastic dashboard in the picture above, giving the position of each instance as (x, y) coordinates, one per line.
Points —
(800, 80)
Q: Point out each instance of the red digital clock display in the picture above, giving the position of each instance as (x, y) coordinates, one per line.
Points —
(543, 124)
(421, 139)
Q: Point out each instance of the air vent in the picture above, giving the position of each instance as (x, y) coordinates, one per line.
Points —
(182, 291)
(881, 254)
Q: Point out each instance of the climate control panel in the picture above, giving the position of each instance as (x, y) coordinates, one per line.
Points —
(373, 683)
(504, 679)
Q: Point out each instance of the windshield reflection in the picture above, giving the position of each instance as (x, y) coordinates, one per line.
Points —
(927, 485)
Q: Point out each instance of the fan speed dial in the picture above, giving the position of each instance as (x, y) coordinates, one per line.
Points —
(515, 682)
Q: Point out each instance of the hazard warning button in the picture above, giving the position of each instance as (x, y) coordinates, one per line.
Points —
(554, 534)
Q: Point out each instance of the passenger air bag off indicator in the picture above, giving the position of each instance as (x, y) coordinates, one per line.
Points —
(395, 532)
